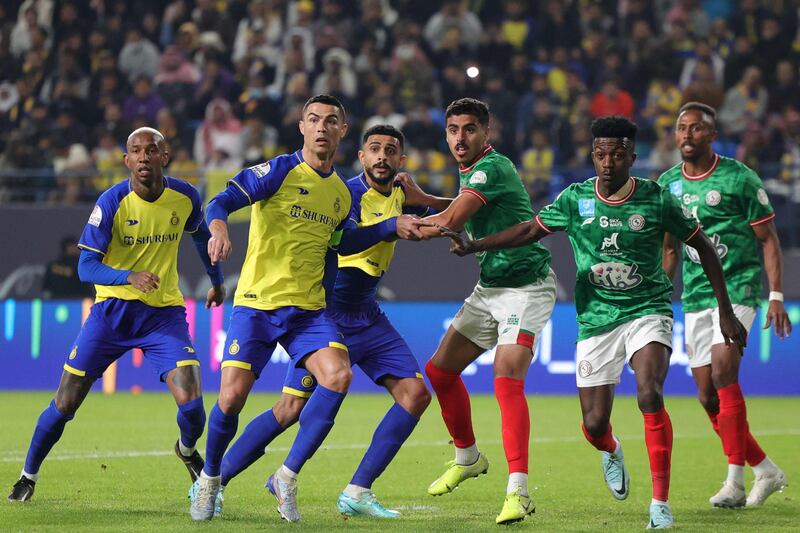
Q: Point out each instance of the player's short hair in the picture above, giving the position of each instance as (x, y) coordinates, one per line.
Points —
(614, 127)
(384, 129)
(326, 99)
(703, 108)
(157, 136)
(469, 106)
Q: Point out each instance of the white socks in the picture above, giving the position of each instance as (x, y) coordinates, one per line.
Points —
(517, 480)
(32, 477)
(765, 467)
(467, 456)
(185, 451)
(736, 475)
(658, 502)
(286, 475)
(354, 491)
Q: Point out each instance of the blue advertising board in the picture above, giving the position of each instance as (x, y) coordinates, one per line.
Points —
(37, 336)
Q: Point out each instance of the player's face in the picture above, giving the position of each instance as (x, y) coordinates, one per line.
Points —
(381, 156)
(322, 128)
(466, 138)
(694, 133)
(146, 158)
(613, 159)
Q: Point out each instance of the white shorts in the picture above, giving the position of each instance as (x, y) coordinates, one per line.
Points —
(600, 359)
(504, 315)
(702, 332)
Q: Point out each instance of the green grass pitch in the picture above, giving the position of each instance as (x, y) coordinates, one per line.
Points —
(114, 470)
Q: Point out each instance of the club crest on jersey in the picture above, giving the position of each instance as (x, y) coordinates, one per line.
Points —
(586, 207)
(233, 349)
(610, 243)
(337, 206)
(636, 222)
(260, 170)
(713, 198)
(615, 276)
(174, 220)
(676, 188)
(307, 381)
(585, 369)
(763, 199)
(74, 353)
(477, 177)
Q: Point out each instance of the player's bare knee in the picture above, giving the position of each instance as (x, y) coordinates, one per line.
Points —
(337, 379)
(649, 399)
(709, 400)
(723, 377)
(415, 399)
(287, 410)
(596, 424)
(231, 402)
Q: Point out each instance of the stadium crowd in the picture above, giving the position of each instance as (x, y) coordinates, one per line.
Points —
(225, 81)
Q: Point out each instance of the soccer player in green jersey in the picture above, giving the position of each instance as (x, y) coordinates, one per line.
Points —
(616, 225)
(508, 308)
(729, 200)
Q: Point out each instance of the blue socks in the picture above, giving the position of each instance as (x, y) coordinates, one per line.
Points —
(221, 430)
(250, 445)
(48, 430)
(191, 421)
(316, 422)
(389, 436)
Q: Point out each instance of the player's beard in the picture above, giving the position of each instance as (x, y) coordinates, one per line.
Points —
(382, 181)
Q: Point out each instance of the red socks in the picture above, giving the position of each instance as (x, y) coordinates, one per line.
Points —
(606, 443)
(754, 455)
(658, 439)
(732, 421)
(515, 421)
(454, 401)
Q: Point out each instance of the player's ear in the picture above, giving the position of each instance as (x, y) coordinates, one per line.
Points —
(164, 157)
(302, 126)
(403, 159)
(633, 158)
(361, 158)
(344, 129)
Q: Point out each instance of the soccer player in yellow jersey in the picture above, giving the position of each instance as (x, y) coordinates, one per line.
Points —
(299, 208)
(129, 250)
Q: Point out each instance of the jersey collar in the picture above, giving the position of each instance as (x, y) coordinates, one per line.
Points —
(299, 155)
(483, 154)
(705, 174)
(614, 202)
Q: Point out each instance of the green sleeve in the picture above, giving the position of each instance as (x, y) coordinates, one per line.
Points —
(755, 202)
(488, 181)
(557, 216)
(675, 219)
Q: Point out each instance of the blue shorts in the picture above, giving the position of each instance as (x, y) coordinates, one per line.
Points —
(253, 335)
(115, 326)
(374, 345)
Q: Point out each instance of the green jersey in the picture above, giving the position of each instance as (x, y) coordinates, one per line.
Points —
(728, 200)
(617, 247)
(493, 179)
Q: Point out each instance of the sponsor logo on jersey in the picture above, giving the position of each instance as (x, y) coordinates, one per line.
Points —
(297, 211)
(96, 217)
(763, 199)
(307, 381)
(676, 188)
(588, 221)
(606, 222)
(130, 240)
(586, 207)
(131, 222)
(713, 198)
(722, 249)
(233, 349)
(615, 276)
(261, 170)
(636, 222)
(610, 243)
(512, 320)
(477, 177)
(376, 215)
(174, 220)
(250, 296)
(302, 190)
(74, 353)
(585, 369)
(690, 198)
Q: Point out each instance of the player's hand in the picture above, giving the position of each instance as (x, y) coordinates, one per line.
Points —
(215, 297)
(777, 313)
(415, 196)
(732, 330)
(219, 245)
(458, 245)
(144, 281)
(408, 228)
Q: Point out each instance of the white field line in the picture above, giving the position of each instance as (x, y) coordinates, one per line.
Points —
(14, 456)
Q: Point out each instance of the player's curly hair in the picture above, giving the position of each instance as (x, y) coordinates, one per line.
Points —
(385, 129)
(469, 106)
(326, 99)
(615, 127)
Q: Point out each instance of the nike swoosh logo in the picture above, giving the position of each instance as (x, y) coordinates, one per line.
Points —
(132, 222)
(621, 492)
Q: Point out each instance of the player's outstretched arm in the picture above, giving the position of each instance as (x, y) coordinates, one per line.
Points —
(519, 235)
(416, 197)
(454, 217)
(669, 254)
(91, 269)
(223, 204)
(732, 330)
(356, 239)
(773, 264)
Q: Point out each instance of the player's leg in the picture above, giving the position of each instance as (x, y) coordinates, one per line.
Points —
(650, 346)
(184, 384)
(49, 427)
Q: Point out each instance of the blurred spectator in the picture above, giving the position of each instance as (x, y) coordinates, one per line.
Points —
(744, 102)
(453, 15)
(537, 165)
(218, 142)
(517, 25)
(143, 102)
(703, 53)
(704, 88)
(741, 58)
(23, 31)
(559, 25)
(385, 113)
(339, 73)
(61, 278)
(750, 150)
(785, 91)
(690, 13)
(139, 57)
(773, 46)
(662, 104)
(665, 154)
(612, 100)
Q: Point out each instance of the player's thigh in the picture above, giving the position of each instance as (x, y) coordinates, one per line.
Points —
(512, 361)
(472, 332)
(96, 347)
(251, 339)
(380, 351)
(600, 359)
(522, 312)
(331, 367)
(456, 352)
(698, 332)
(167, 346)
(313, 342)
(184, 383)
(648, 345)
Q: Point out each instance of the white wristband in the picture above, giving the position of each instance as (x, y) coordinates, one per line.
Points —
(775, 295)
